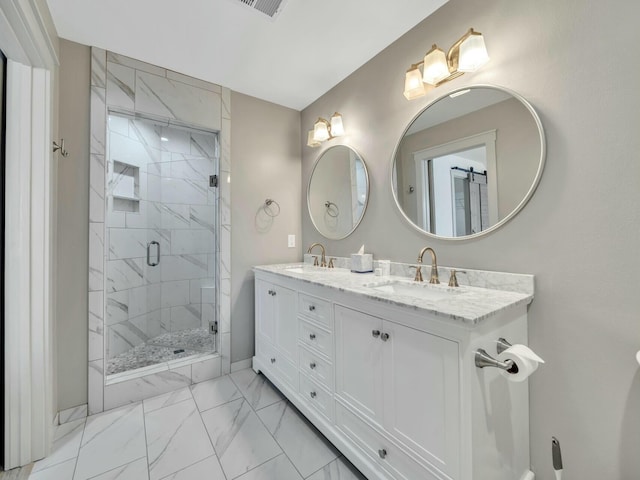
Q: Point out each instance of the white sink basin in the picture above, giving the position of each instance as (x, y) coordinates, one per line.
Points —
(424, 291)
(297, 270)
(305, 269)
(314, 269)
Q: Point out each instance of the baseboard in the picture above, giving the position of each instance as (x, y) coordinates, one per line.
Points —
(240, 365)
(71, 414)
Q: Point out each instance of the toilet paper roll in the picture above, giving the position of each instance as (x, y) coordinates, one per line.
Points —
(525, 360)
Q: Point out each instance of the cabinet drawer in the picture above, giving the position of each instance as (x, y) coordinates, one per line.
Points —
(316, 309)
(316, 338)
(317, 397)
(316, 367)
(388, 455)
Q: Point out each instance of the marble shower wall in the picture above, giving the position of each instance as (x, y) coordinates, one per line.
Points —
(167, 171)
(123, 84)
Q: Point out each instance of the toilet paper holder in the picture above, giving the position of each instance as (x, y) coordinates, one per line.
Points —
(483, 359)
(502, 345)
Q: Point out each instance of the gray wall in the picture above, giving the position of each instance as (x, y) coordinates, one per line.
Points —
(578, 234)
(72, 248)
(265, 153)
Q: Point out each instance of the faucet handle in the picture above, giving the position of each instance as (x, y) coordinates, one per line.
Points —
(418, 277)
(315, 261)
(331, 265)
(453, 280)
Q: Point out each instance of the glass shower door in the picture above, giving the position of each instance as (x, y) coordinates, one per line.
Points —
(162, 255)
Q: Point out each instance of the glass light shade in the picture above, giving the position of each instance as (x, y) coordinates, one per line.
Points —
(321, 130)
(413, 86)
(311, 142)
(435, 66)
(473, 53)
(337, 129)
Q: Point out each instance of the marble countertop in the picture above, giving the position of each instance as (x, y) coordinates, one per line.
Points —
(466, 303)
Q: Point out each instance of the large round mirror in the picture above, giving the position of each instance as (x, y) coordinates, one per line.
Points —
(338, 192)
(468, 162)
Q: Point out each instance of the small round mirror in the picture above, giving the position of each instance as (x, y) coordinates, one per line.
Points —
(338, 192)
(468, 162)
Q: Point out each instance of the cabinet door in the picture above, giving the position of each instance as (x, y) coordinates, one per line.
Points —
(359, 361)
(265, 321)
(421, 394)
(286, 321)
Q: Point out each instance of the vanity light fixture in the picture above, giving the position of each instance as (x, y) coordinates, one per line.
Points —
(324, 130)
(337, 129)
(468, 54)
(321, 130)
(413, 85)
(312, 142)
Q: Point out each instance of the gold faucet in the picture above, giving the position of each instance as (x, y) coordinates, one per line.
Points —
(323, 261)
(434, 266)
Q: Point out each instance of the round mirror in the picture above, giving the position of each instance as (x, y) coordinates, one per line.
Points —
(468, 162)
(338, 192)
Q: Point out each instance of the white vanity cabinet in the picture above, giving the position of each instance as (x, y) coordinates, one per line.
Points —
(402, 380)
(394, 388)
(276, 327)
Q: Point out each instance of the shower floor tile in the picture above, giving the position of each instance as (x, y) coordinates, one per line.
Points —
(163, 348)
(183, 436)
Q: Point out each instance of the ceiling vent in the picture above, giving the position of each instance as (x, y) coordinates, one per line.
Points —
(270, 8)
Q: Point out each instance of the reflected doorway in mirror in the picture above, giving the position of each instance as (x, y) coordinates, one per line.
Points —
(448, 200)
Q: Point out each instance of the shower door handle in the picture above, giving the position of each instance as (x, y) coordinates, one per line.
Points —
(149, 253)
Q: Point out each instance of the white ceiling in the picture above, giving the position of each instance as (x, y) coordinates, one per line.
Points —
(291, 60)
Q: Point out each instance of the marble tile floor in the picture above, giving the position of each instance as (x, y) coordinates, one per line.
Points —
(162, 349)
(237, 426)
(16, 473)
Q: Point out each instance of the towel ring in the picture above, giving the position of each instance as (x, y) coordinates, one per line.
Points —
(332, 212)
(267, 207)
(60, 147)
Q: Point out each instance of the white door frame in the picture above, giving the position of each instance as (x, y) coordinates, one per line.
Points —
(488, 140)
(29, 41)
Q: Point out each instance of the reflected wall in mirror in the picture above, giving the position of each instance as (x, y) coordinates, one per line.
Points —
(468, 162)
(338, 192)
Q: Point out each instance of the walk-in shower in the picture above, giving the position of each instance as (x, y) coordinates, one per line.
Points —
(161, 238)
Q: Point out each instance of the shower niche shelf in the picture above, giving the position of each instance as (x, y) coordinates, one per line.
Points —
(125, 189)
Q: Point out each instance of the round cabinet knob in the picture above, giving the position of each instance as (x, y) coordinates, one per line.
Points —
(273, 360)
(312, 308)
(375, 333)
(384, 337)
(313, 394)
(382, 453)
(273, 293)
(312, 336)
(312, 365)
